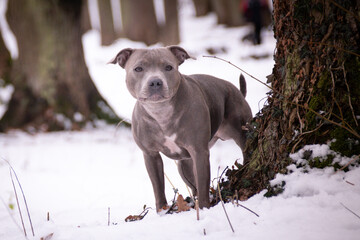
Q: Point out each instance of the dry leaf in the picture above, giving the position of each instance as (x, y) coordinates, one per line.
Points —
(182, 204)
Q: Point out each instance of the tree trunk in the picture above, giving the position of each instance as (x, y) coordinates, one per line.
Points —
(85, 17)
(170, 32)
(108, 35)
(139, 21)
(316, 90)
(52, 83)
(228, 12)
(5, 61)
(202, 7)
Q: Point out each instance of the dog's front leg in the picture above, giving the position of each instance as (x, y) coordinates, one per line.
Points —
(200, 157)
(155, 169)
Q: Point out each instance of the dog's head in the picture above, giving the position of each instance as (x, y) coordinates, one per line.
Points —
(152, 74)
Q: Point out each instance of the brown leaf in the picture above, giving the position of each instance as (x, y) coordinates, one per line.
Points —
(182, 204)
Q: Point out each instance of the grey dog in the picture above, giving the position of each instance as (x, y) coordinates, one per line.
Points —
(180, 116)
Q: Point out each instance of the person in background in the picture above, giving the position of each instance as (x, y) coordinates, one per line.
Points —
(253, 11)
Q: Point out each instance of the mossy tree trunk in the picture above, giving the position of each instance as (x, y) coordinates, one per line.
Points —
(316, 90)
(52, 85)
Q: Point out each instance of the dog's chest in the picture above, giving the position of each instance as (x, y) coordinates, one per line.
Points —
(171, 145)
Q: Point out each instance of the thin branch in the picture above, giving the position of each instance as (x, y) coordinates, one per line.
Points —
(350, 210)
(17, 201)
(344, 9)
(243, 72)
(222, 204)
(349, 97)
(350, 162)
(345, 125)
(23, 194)
(248, 209)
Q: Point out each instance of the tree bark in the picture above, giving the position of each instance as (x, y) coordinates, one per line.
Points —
(170, 32)
(202, 7)
(228, 12)
(108, 35)
(5, 61)
(315, 93)
(51, 80)
(139, 21)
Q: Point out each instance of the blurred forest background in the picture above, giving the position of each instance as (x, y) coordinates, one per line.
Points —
(50, 78)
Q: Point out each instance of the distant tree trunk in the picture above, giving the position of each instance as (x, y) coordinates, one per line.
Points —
(228, 12)
(139, 21)
(108, 35)
(202, 7)
(316, 90)
(85, 17)
(5, 61)
(170, 32)
(52, 85)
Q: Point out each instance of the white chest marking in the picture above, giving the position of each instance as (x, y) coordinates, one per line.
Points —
(171, 145)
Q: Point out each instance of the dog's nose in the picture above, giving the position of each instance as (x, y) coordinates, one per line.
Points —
(155, 84)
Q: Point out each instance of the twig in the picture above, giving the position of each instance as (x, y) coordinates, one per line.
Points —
(344, 9)
(349, 210)
(108, 216)
(242, 71)
(350, 162)
(345, 125)
(248, 209)
(222, 204)
(17, 201)
(22, 192)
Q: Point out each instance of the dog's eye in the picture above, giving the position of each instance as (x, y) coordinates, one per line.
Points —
(168, 68)
(138, 69)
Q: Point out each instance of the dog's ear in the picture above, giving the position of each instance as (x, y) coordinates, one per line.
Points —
(122, 57)
(179, 53)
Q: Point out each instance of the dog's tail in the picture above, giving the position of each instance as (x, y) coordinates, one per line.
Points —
(242, 85)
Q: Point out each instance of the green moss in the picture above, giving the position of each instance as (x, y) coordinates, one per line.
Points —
(319, 162)
(275, 190)
(344, 143)
(291, 65)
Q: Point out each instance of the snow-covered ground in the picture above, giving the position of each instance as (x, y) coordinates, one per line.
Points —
(77, 176)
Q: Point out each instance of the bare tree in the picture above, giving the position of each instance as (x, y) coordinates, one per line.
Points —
(170, 32)
(202, 7)
(139, 21)
(51, 80)
(108, 35)
(5, 60)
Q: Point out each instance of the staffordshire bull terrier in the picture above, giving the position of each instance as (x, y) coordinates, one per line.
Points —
(180, 116)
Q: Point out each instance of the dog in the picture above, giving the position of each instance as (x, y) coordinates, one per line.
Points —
(180, 116)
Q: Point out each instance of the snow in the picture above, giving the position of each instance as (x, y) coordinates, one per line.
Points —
(77, 176)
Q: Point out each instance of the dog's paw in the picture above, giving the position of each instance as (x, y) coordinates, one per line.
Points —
(162, 211)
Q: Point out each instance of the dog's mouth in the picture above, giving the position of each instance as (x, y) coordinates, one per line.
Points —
(155, 97)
